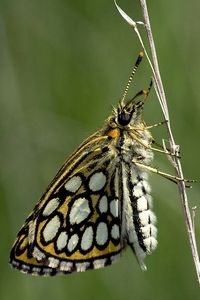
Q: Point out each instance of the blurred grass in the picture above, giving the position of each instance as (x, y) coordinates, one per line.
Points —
(63, 64)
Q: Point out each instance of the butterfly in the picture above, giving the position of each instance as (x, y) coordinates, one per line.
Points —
(98, 203)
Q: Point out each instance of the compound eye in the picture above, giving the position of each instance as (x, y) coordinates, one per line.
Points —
(124, 118)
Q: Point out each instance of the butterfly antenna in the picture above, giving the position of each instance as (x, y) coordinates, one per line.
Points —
(137, 63)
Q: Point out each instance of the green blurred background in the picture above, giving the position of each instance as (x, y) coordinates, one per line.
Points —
(63, 64)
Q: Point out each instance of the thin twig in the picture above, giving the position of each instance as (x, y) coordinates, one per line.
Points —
(175, 160)
(174, 149)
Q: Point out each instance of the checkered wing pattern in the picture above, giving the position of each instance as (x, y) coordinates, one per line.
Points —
(76, 224)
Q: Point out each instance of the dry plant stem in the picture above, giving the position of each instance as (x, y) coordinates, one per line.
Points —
(175, 161)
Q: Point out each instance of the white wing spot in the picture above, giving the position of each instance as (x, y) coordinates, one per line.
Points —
(31, 232)
(62, 240)
(142, 203)
(53, 262)
(149, 230)
(103, 204)
(51, 207)
(51, 229)
(150, 244)
(34, 270)
(147, 217)
(79, 211)
(137, 190)
(101, 233)
(144, 217)
(73, 184)
(99, 263)
(87, 238)
(72, 243)
(97, 181)
(37, 253)
(66, 266)
(115, 231)
(81, 267)
(114, 208)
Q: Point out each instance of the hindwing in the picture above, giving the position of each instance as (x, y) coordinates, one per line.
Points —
(76, 224)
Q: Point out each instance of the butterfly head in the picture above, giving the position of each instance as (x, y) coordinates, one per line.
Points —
(130, 113)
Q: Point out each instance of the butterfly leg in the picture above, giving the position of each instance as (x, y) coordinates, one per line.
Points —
(170, 177)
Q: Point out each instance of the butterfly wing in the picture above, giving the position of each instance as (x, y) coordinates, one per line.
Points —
(77, 223)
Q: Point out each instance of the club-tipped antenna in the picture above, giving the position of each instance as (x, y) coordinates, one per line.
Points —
(137, 63)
